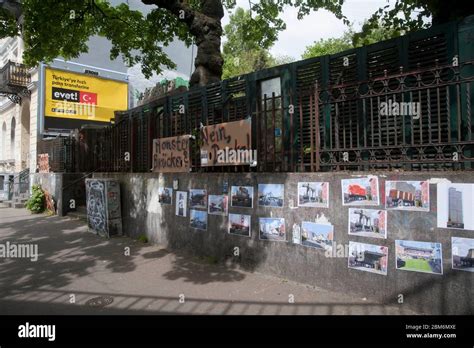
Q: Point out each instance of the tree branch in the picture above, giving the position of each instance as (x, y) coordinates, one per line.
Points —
(108, 17)
(180, 9)
(192, 18)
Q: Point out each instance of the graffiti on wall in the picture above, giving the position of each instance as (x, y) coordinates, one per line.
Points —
(50, 204)
(227, 144)
(96, 207)
(171, 155)
(43, 163)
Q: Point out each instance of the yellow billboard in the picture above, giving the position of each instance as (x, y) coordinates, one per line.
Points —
(76, 96)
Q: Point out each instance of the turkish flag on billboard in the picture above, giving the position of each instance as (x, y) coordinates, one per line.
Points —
(88, 97)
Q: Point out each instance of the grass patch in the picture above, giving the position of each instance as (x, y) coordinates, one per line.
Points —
(418, 264)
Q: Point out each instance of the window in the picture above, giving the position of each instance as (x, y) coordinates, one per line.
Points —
(271, 119)
(267, 87)
(12, 139)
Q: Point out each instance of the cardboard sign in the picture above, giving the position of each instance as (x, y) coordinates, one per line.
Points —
(227, 144)
(171, 155)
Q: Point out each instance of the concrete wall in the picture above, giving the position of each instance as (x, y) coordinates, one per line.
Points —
(63, 187)
(452, 292)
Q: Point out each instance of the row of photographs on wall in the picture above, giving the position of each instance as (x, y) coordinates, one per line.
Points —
(455, 201)
(410, 255)
(414, 256)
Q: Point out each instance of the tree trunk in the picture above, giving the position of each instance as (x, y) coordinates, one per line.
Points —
(205, 26)
(207, 31)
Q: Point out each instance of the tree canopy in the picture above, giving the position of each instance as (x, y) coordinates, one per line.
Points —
(245, 51)
(350, 39)
(52, 28)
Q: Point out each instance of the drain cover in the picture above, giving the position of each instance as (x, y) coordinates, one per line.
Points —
(100, 301)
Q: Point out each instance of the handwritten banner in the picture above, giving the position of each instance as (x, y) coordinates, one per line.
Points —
(43, 163)
(171, 155)
(227, 143)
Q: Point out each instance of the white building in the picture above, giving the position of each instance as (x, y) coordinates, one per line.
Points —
(15, 120)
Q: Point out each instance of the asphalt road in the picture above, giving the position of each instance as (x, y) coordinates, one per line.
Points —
(78, 272)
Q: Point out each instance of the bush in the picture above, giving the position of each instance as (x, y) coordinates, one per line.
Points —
(37, 203)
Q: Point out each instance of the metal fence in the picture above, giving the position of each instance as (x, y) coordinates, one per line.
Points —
(354, 126)
(418, 120)
(319, 114)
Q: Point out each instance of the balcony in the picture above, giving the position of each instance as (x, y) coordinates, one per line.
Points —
(14, 81)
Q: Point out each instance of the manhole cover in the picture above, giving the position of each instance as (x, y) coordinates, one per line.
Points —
(100, 301)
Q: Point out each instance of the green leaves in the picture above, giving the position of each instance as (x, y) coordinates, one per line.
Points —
(328, 46)
(54, 28)
(36, 204)
(8, 24)
(350, 39)
(247, 45)
(62, 28)
(404, 16)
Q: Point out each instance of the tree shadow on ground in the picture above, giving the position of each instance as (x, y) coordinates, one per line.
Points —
(201, 270)
(66, 250)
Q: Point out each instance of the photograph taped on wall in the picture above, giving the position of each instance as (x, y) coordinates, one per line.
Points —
(317, 235)
(241, 196)
(313, 194)
(368, 222)
(360, 191)
(165, 195)
(455, 206)
(198, 199)
(198, 219)
(425, 257)
(272, 229)
(271, 195)
(368, 257)
(218, 204)
(181, 203)
(462, 254)
(240, 225)
(296, 234)
(407, 195)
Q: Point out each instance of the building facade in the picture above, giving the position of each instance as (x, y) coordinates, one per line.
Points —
(15, 120)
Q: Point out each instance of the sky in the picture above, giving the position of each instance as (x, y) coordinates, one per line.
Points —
(422, 245)
(274, 189)
(360, 247)
(315, 228)
(462, 245)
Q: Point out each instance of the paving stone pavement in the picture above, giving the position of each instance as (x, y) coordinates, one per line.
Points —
(77, 266)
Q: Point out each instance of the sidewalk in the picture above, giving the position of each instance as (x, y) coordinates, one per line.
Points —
(152, 280)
